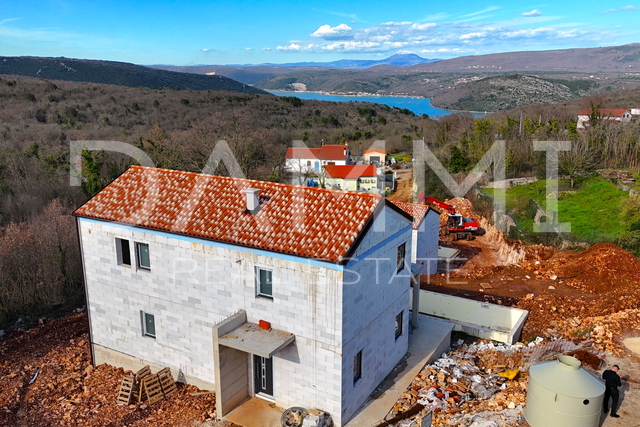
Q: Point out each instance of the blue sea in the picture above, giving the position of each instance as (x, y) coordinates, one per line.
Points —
(417, 105)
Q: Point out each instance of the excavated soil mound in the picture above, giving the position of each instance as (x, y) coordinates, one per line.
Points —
(46, 379)
(600, 269)
(587, 358)
(463, 206)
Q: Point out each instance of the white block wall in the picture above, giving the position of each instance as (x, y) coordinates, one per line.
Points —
(426, 243)
(194, 284)
(374, 293)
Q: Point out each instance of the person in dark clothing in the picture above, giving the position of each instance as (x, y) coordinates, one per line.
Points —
(611, 383)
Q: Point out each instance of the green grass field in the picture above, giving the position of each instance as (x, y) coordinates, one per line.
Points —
(592, 207)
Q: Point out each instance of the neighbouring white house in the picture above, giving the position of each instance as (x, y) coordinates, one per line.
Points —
(615, 115)
(425, 234)
(375, 156)
(303, 159)
(294, 294)
(351, 177)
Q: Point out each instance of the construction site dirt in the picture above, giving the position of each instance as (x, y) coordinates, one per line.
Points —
(46, 379)
(587, 301)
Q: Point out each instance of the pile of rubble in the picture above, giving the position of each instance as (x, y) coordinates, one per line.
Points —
(46, 379)
(599, 269)
(614, 175)
(509, 252)
(606, 280)
(482, 382)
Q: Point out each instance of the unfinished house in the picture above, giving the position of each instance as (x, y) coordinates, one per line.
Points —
(293, 294)
(426, 225)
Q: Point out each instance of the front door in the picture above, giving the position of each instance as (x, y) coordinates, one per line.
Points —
(263, 372)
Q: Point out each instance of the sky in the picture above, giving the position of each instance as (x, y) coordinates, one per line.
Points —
(276, 31)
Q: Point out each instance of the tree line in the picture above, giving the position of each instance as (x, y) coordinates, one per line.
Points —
(178, 129)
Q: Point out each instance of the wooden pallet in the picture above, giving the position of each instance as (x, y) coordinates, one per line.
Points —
(143, 372)
(140, 375)
(151, 387)
(126, 390)
(167, 382)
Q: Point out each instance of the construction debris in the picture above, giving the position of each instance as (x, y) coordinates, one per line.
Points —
(70, 392)
(480, 383)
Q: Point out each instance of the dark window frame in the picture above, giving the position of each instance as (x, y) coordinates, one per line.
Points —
(123, 251)
(402, 255)
(148, 319)
(139, 260)
(357, 367)
(260, 292)
(399, 327)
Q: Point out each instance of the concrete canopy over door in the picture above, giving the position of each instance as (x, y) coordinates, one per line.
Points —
(234, 341)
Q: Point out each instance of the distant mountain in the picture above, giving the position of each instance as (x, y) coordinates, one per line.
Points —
(117, 73)
(254, 73)
(625, 59)
(400, 59)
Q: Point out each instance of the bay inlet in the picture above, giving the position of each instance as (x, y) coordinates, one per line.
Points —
(417, 105)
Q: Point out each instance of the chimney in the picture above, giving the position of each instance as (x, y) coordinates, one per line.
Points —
(253, 203)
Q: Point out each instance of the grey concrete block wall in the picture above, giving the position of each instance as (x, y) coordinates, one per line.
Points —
(193, 284)
(374, 294)
(426, 249)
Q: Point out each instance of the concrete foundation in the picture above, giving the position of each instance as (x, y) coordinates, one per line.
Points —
(111, 357)
(480, 319)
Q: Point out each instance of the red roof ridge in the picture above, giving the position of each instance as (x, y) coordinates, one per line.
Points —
(375, 150)
(418, 212)
(350, 171)
(302, 221)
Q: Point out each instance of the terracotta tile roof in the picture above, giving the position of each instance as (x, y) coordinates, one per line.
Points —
(604, 112)
(302, 153)
(296, 220)
(375, 150)
(350, 171)
(418, 212)
(326, 152)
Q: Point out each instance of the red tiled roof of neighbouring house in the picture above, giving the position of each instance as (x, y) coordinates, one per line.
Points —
(604, 112)
(326, 152)
(351, 171)
(375, 150)
(418, 212)
(303, 221)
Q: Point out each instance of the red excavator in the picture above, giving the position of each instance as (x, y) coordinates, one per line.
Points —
(457, 227)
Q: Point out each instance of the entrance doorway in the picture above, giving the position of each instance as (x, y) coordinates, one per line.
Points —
(263, 373)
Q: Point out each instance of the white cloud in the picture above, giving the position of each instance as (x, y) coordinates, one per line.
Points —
(339, 32)
(295, 47)
(291, 47)
(481, 12)
(396, 24)
(629, 8)
(248, 48)
(442, 50)
(534, 12)
(268, 49)
(4, 21)
(206, 49)
(473, 35)
(423, 26)
(450, 38)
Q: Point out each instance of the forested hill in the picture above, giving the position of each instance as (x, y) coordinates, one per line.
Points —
(117, 73)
